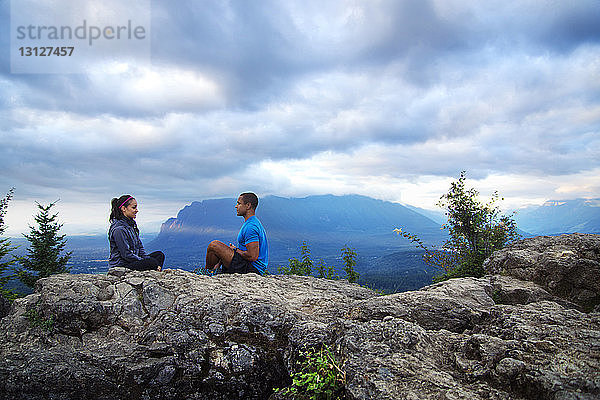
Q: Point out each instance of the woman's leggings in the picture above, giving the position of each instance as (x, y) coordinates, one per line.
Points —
(151, 262)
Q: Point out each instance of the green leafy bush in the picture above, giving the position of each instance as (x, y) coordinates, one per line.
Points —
(305, 265)
(36, 320)
(320, 377)
(475, 231)
(301, 267)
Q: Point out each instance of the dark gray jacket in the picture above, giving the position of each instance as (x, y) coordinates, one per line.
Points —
(125, 243)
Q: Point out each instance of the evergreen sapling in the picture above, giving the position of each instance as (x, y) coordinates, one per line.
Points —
(46, 245)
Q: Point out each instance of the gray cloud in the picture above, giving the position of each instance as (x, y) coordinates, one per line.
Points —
(401, 89)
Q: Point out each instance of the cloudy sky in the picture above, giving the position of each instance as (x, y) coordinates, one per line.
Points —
(390, 99)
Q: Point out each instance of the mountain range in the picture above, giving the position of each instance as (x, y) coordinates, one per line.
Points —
(326, 223)
(560, 216)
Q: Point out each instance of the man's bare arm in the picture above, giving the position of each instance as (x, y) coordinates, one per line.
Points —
(251, 253)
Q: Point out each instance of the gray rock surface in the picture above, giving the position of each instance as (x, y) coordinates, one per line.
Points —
(567, 266)
(176, 335)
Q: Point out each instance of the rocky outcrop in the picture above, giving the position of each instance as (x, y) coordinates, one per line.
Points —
(567, 266)
(175, 335)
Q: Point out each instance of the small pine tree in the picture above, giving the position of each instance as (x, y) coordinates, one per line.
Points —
(349, 256)
(44, 255)
(5, 248)
(325, 271)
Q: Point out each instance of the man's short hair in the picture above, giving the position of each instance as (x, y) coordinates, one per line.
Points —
(251, 198)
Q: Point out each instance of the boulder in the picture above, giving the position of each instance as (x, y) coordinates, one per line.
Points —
(176, 335)
(567, 266)
(171, 334)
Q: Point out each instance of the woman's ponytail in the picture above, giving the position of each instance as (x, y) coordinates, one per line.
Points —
(116, 204)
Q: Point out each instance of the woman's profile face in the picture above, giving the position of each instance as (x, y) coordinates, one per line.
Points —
(131, 210)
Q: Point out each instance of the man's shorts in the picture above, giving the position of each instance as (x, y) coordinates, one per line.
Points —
(239, 265)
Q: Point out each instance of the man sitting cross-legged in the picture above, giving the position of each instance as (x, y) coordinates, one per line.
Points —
(252, 252)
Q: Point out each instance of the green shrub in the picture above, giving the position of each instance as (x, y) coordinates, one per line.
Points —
(475, 231)
(38, 321)
(301, 267)
(305, 266)
(320, 377)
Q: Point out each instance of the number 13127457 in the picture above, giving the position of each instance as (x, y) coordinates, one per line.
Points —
(46, 51)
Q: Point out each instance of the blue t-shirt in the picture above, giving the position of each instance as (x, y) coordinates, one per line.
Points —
(253, 231)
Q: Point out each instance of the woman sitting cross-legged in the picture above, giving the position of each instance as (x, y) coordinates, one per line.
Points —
(126, 249)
